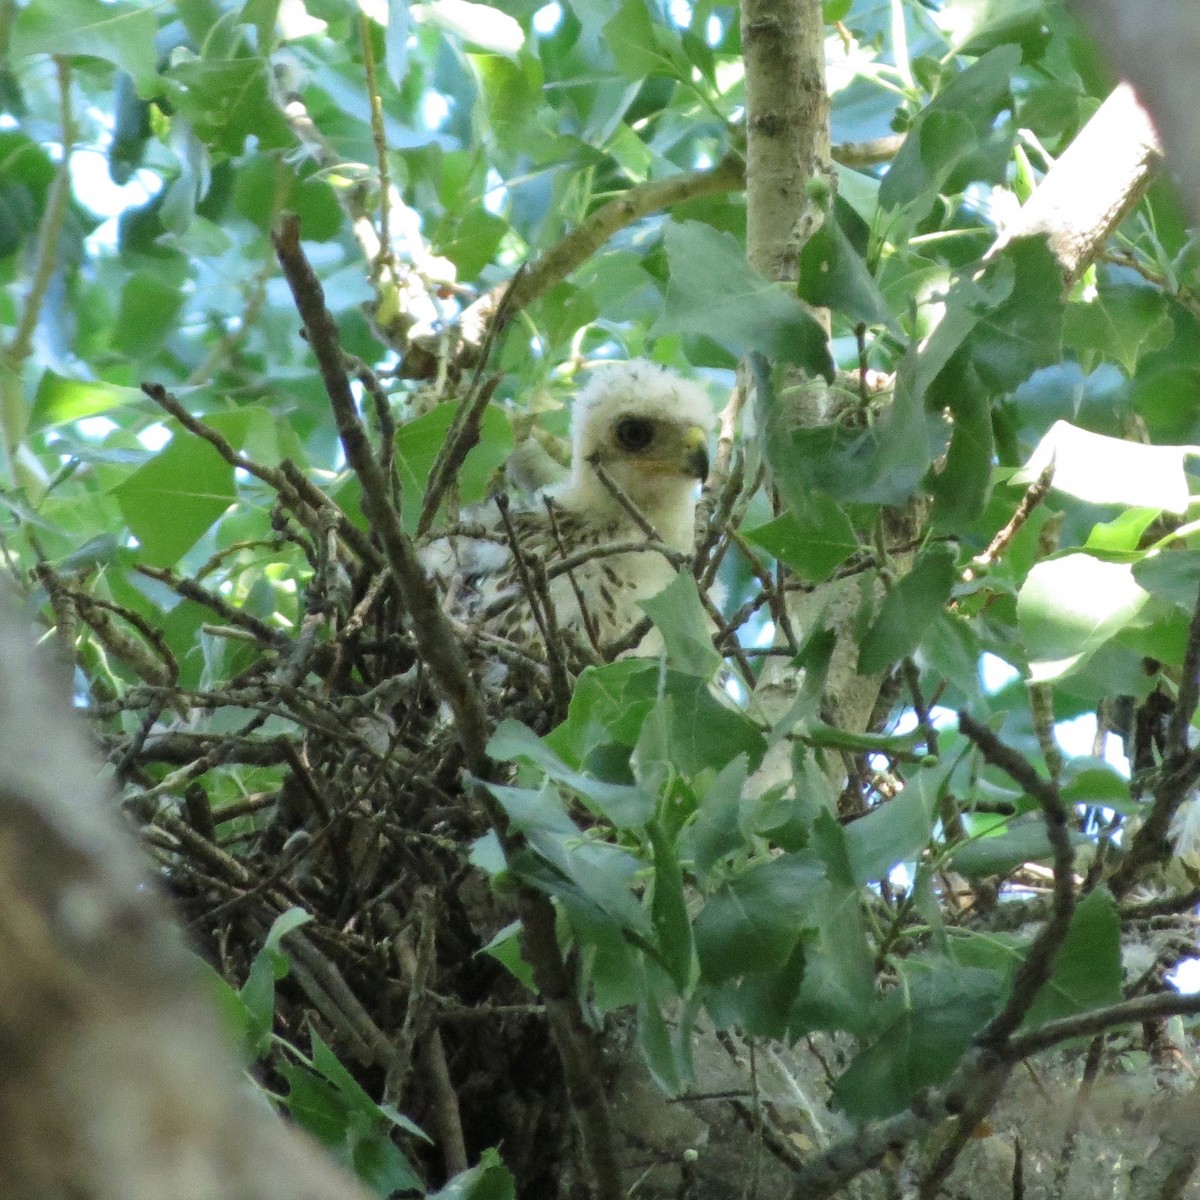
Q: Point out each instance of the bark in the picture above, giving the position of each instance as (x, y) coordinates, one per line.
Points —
(1095, 184)
(787, 126)
(115, 1083)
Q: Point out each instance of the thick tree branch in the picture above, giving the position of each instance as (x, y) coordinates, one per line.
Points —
(117, 1084)
(1093, 186)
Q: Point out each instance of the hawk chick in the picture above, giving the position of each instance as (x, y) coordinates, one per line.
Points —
(645, 430)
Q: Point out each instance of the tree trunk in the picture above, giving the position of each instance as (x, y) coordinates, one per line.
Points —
(115, 1083)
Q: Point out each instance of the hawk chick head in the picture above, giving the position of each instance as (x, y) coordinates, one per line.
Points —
(648, 429)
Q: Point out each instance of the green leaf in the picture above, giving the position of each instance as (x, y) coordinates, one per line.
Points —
(961, 489)
(685, 626)
(654, 1042)
(592, 878)
(292, 919)
(131, 130)
(315, 1105)
(1070, 606)
(820, 734)
(1122, 534)
(1121, 323)
(382, 1165)
(1018, 841)
(1095, 783)
(765, 1001)
(669, 909)
(838, 989)
(173, 500)
(907, 610)
(715, 293)
(814, 537)
(505, 948)
(610, 703)
(834, 275)
(1023, 332)
(1108, 470)
(1087, 970)
(1172, 574)
(147, 314)
(419, 441)
(639, 44)
(927, 1022)
(122, 34)
(953, 139)
(752, 923)
(894, 831)
(228, 101)
(974, 26)
(481, 25)
(625, 807)
(489, 1179)
(231, 1009)
(716, 830)
(60, 400)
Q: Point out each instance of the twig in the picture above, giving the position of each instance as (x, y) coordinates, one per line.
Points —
(1039, 960)
(45, 252)
(443, 654)
(231, 614)
(634, 513)
(582, 242)
(384, 257)
(542, 608)
(1041, 704)
(869, 153)
(418, 969)
(1129, 1012)
(1180, 770)
(564, 564)
(1035, 968)
(461, 439)
(235, 335)
(1091, 1069)
(1034, 495)
(289, 484)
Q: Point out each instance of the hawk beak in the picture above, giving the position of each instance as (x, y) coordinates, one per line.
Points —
(695, 443)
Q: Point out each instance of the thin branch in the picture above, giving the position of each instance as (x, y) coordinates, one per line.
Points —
(441, 651)
(870, 153)
(1156, 1007)
(45, 255)
(542, 608)
(1079, 1102)
(565, 565)
(1180, 770)
(1034, 495)
(631, 510)
(582, 242)
(379, 137)
(1039, 960)
(443, 654)
(461, 439)
(292, 488)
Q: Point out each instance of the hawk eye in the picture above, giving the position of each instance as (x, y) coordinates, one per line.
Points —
(634, 433)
